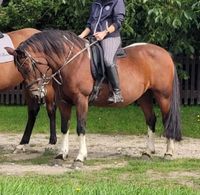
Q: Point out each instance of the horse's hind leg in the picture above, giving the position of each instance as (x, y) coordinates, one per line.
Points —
(164, 103)
(146, 103)
(169, 107)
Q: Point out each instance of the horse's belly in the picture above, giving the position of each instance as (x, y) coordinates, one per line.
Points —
(130, 94)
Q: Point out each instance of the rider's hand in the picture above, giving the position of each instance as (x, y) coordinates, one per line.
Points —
(81, 36)
(101, 35)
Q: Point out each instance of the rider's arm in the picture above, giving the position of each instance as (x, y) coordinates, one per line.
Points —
(118, 14)
(110, 29)
(85, 33)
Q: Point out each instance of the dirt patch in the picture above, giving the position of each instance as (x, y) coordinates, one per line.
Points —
(100, 147)
(181, 177)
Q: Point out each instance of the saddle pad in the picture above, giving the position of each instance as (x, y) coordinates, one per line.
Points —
(5, 42)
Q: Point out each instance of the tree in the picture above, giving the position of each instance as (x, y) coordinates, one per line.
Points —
(172, 24)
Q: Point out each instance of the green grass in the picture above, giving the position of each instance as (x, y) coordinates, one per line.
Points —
(137, 177)
(154, 177)
(129, 120)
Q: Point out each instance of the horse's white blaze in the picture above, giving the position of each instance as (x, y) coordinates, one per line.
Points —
(170, 147)
(135, 44)
(82, 148)
(150, 141)
(65, 145)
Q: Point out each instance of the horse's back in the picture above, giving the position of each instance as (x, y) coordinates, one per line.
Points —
(150, 60)
(21, 35)
(147, 66)
(150, 53)
(9, 75)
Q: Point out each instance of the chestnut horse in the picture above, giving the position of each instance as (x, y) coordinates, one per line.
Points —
(146, 72)
(10, 77)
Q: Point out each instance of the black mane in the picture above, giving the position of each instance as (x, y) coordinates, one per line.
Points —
(51, 41)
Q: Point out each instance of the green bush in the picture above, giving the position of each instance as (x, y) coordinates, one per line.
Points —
(173, 24)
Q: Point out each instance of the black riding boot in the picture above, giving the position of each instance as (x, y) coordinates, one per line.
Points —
(114, 81)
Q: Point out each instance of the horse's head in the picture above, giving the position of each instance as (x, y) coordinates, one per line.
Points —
(46, 50)
(34, 71)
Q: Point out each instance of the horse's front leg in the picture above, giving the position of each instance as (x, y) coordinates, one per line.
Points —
(81, 113)
(65, 111)
(51, 111)
(33, 109)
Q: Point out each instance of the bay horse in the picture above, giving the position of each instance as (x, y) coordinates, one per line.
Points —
(11, 77)
(147, 71)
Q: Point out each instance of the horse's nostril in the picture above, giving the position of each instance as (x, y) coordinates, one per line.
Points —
(36, 97)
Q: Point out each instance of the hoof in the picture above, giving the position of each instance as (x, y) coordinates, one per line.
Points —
(61, 156)
(168, 157)
(77, 164)
(145, 156)
(19, 149)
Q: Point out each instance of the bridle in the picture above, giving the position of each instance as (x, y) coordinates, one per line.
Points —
(44, 79)
(41, 81)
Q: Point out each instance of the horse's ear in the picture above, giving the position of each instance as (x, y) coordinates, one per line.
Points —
(11, 51)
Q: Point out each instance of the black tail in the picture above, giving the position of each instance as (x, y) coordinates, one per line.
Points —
(172, 123)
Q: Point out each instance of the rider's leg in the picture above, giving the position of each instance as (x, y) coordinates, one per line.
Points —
(114, 81)
(110, 46)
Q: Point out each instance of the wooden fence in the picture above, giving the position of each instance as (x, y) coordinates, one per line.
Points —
(189, 89)
(14, 96)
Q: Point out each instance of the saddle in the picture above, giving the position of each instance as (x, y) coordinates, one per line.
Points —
(5, 41)
(98, 66)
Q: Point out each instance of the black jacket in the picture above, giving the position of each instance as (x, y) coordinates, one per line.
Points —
(104, 13)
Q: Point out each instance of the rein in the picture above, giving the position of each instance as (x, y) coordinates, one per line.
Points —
(44, 79)
(71, 59)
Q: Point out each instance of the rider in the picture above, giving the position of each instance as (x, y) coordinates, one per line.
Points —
(104, 23)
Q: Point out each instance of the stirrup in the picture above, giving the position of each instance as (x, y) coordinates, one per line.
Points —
(115, 98)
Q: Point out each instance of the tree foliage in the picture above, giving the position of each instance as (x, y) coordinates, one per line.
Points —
(173, 24)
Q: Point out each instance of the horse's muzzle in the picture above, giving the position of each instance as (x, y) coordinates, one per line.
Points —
(38, 94)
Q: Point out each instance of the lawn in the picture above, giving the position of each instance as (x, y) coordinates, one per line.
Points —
(129, 120)
(136, 176)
